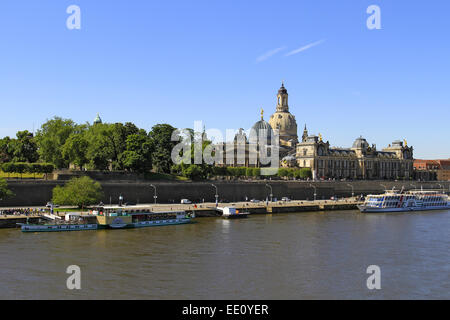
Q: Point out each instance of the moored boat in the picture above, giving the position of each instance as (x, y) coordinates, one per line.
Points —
(232, 213)
(394, 201)
(57, 227)
(139, 216)
(112, 217)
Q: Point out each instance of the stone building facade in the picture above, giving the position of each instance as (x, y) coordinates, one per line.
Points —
(429, 170)
(361, 161)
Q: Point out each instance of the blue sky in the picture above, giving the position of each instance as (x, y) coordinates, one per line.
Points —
(176, 62)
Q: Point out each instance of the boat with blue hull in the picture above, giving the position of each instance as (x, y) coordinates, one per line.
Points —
(57, 227)
(397, 201)
(113, 217)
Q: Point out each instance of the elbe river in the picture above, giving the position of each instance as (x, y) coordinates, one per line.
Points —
(319, 255)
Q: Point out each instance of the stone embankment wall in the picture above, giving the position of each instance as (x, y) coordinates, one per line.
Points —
(37, 193)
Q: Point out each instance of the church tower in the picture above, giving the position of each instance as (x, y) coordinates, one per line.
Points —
(305, 134)
(282, 99)
(284, 121)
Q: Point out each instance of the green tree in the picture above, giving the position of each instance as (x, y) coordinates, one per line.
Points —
(51, 138)
(161, 136)
(107, 143)
(117, 134)
(21, 167)
(255, 172)
(4, 191)
(79, 192)
(100, 151)
(305, 173)
(290, 173)
(8, 167)
(47, 168)
(74, 149)
(133, 161)
(193, 172)
(138, 153)
(219, 171)
(232, 171)
(25, 147)
(6, 150)
(283, 172)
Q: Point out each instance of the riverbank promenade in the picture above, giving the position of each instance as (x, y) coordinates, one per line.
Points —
(207, 209)
(262, 207)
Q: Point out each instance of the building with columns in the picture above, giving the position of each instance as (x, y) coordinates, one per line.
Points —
(361, 161)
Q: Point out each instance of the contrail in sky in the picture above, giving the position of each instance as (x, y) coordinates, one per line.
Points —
(268, 54)
(308, 46)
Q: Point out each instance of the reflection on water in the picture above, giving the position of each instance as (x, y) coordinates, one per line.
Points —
(279, 256)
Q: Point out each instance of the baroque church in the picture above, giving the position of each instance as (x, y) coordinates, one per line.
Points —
(361, 161)
(285, 124)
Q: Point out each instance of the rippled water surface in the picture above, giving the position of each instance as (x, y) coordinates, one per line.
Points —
(284, 256)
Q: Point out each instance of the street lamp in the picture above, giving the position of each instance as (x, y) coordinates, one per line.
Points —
(217, 195)
(155, 196)
(353, 190)
(271, 192)
(315, 191)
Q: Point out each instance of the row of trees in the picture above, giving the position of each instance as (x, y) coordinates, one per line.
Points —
(23, 148)
(200, 172)
(303, 173)
(25, 167)
(100, 146)
(105, 146)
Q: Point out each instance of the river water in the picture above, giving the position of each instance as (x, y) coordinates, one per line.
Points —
(320, 255)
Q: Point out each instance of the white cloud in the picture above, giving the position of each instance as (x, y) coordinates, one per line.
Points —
(268, 54)
(308, 46)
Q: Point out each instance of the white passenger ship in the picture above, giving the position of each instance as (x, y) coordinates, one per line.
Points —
(394, 201)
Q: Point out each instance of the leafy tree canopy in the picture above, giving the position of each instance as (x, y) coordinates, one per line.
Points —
(51, 138)
(74, 149)
(161, 136)
(79, 192)
(4, 191)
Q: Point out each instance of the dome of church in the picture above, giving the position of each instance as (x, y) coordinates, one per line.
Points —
(285, 122)
(97, 119)
(261, 128)
(360, 143)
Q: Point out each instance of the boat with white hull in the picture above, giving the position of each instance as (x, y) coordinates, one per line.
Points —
(232, 213)
(394, 201)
